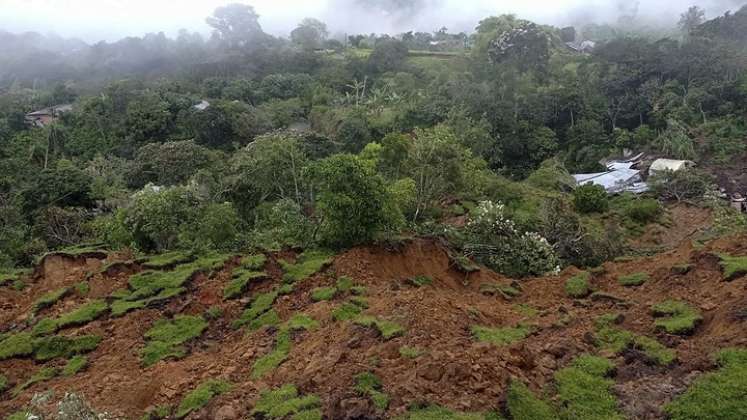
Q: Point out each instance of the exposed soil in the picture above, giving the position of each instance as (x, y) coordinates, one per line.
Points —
(454, 371)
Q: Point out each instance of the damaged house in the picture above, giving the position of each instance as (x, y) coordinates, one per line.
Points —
(46, 116)
(628, 175)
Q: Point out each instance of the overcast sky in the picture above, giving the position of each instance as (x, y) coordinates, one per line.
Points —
(93, 20)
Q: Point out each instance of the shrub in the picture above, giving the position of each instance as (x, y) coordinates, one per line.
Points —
(578, 285)
(644, 211)
(686, 184)
(280, 224)
(500, 336)
(679, 317)
(201, 396)
(715, 395)
(523, 404)
(636, 279)
(590, 198)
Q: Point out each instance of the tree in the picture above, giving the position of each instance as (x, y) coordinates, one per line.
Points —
(691, 19)
(310, 34)
(590, 198)
(388, 55)
(236, 25)
(352, 201)
(527, 47)
(169, 163)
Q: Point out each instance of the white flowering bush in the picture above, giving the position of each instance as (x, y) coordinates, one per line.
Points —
(492, 239)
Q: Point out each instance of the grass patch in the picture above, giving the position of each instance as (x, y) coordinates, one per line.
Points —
(369, 385)
(261, 304)
(269, 318)
(346, 311)
(387, 329)
(201, 396)
(166, 337)
(9, 276)
(48, 348)
(523, 404)
(82, 288)
(213, 312)
(48, 299)
(633, 280)
(285, 401)
(578, 286)
(323, 293)
(283, 344)
(239, 283)
(733, 267)
(169, 259)
(681, 269)
(716, 395)
(41, 375)
(253, 262)
(16, 345)
(158, 413)
(618, 340)
(308, 263)
(584, 391)
(526, 310)
(678, 317)
(81, 316)
(500, 336)
(3, 383)
(75, 365)
(420, 281)
(344, 284)
(434, 412)
(410, 352)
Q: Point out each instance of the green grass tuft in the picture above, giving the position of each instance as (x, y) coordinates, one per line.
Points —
(500, 336)
(578, 285)
(169, 259)
(420, 281)
(81, 316)
(166, 337)
(618, 340)
(584, 392)
(733, 267)
(410, 352)
(238, 285)
(10, 276)
(48, 348)
(48, 299)
(283, 343)
(43, 374)
(523, 404)
(526, 310)
(370, 385)
(3, 383)
(346, 311)
(16, 345)
(82, 288)
(74, 365)
(716, 395)
(267, 319)
(387, 329)
(308, 263)
(285, 401)
(201, 396)
(679, 317)
(253, 262)
(434, 412)
(261, 304)
(633, 280)
(344, 284)
(323, 293)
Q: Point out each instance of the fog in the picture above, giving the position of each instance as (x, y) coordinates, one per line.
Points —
(93, 20)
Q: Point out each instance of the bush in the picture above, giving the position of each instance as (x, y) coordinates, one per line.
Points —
(590, 198)
(280, 224)
(686, 184)
(578, 285)
(644, 211)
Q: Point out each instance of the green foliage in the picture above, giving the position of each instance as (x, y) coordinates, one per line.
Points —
(166, 260)
(15, 345)
(344, 284)
(283, 344)
(285, 401)
(584, 392)
(47, 348)
(269, 318)
(369, 384)
(253, 262)
(213, 312)
(675, 141)
(715, 395)
(261, 304)
(3, 383)
(166, 338)
(308, 263)
(635, 279)
(82, 288)
(238, 286)
(434, 412)
(43, 374)
(733, 267)
(387, 329)
(679, 317)
(280, 224)
(74, 365)
(323, 293)
(619, 340)
(500, 336)
(578, 285)
(346, 311)
(644, 211)
(690, 184)
(352, 201)
(201, 396)
(410, 352)
(81, 316)
(49, 299)
(523, 404)
(420, 281)
(590, 198)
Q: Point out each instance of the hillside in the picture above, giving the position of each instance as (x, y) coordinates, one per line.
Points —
(430, 335)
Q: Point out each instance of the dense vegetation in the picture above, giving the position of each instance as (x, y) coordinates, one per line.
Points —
(311, 141)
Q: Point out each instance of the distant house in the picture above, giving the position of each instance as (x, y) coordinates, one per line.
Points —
(661, 165)
(585, 47)
(621, 176)
(46, 116)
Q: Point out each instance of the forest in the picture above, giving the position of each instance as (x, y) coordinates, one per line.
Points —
(314, 144)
